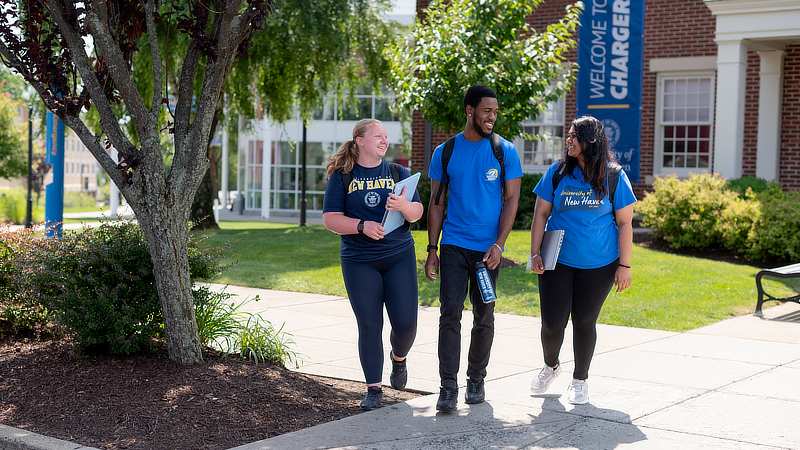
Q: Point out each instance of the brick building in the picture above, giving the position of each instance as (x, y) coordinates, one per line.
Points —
(721, 92)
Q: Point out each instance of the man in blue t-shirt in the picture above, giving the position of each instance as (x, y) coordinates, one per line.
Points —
(481, 208)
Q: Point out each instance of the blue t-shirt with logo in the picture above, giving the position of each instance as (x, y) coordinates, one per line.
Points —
(591, 238)
(475, 200)
(366, 199)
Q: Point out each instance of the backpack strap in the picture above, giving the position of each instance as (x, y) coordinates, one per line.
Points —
(447, 152)
(560, 173)
(396, 170)
(497, 149)
(613, 181)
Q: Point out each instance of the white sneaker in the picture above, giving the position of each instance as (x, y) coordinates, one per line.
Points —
(542, 382)
(578, 392)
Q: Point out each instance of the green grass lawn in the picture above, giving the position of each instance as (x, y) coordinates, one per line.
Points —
(669, 292)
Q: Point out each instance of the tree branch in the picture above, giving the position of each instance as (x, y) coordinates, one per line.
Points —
(120, 72)
(84, 66)
(155, 56)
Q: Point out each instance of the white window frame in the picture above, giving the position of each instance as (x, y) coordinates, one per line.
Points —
(658, 145)
(554, 115)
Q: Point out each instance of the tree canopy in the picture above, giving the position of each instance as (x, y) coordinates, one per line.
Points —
(13, 148)
(464, 42)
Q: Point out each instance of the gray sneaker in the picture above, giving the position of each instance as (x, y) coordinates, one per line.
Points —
(448, 399)
(399, 375)
(542, 382)
(373, 400)
(475, 393)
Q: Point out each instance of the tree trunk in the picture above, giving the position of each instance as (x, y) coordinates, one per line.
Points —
(168, 237)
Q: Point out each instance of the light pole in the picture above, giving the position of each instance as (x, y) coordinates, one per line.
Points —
(29, 207)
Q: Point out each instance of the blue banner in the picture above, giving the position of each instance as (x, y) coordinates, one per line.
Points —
(611, 62)
(54, 192)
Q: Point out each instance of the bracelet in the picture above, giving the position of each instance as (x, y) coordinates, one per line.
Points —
(623, 265)
(498, 247)
(433, 247)
(534, 256)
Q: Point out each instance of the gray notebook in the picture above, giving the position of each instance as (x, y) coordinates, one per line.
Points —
(392, 220)
(551, 247)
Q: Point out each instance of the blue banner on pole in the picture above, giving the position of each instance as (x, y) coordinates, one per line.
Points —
(611, 62)
(54, 192)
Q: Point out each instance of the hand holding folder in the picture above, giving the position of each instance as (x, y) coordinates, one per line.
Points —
(392, 220)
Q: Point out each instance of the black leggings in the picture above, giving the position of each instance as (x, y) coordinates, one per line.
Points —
(582, 293)
(391, 281)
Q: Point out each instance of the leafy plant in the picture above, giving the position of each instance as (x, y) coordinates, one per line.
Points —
(755, 185)
(259, 341)
(527, 200)
(775, 233)
(99, 284)
(465, 42)
(686, 213)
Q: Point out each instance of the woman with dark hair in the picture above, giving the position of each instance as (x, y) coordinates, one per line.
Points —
(378, 268)
(595, 253)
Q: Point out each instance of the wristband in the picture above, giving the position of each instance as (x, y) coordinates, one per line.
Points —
(433, 247)
(498, 247)
(623, 265)
(360, 227)
(534, 256)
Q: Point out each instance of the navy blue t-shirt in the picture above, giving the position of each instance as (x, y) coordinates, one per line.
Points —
(366, 199)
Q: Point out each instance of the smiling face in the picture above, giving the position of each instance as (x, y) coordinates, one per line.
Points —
(483, 116)
(573, 146)
(373, 145)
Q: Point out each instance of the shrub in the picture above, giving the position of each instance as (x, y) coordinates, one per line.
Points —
(686, 213)
(756, 186)
(775, 233)
(224, 325)
(99, 284)
(17, 314)
(527, 200)
(75, 199)
(13, 206)
(736, 223)
(424, 189)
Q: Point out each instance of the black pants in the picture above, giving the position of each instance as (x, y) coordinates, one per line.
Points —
(457, 277)
(580, 292)
(371, 285)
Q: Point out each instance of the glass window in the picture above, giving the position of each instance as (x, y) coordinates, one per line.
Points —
(685, 119)
(548, 143)
(355, 109)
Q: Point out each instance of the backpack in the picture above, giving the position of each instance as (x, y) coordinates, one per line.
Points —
(497, 150)
(613, 179)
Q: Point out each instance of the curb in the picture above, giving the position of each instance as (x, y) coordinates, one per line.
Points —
(17, 439)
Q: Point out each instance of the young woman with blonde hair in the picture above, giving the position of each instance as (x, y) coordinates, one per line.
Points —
(378, 268)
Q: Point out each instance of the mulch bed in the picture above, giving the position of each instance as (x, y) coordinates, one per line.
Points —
(148, 402)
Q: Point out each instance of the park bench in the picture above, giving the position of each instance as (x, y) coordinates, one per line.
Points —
(790, 271)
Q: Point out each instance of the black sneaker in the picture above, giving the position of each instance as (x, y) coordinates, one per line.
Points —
(373, 398)
(475, 392)
(448, 399)
(399, 375)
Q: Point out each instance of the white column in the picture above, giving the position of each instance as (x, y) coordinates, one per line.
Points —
(729, 130)
(113, 195)
(265, 135)
(769, 114)
(224, 178)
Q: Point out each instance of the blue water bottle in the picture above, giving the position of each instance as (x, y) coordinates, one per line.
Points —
(485, 282)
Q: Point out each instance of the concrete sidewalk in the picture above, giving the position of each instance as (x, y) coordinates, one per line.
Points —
(731, 385)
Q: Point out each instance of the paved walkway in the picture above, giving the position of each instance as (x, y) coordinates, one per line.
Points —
(731, 385)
